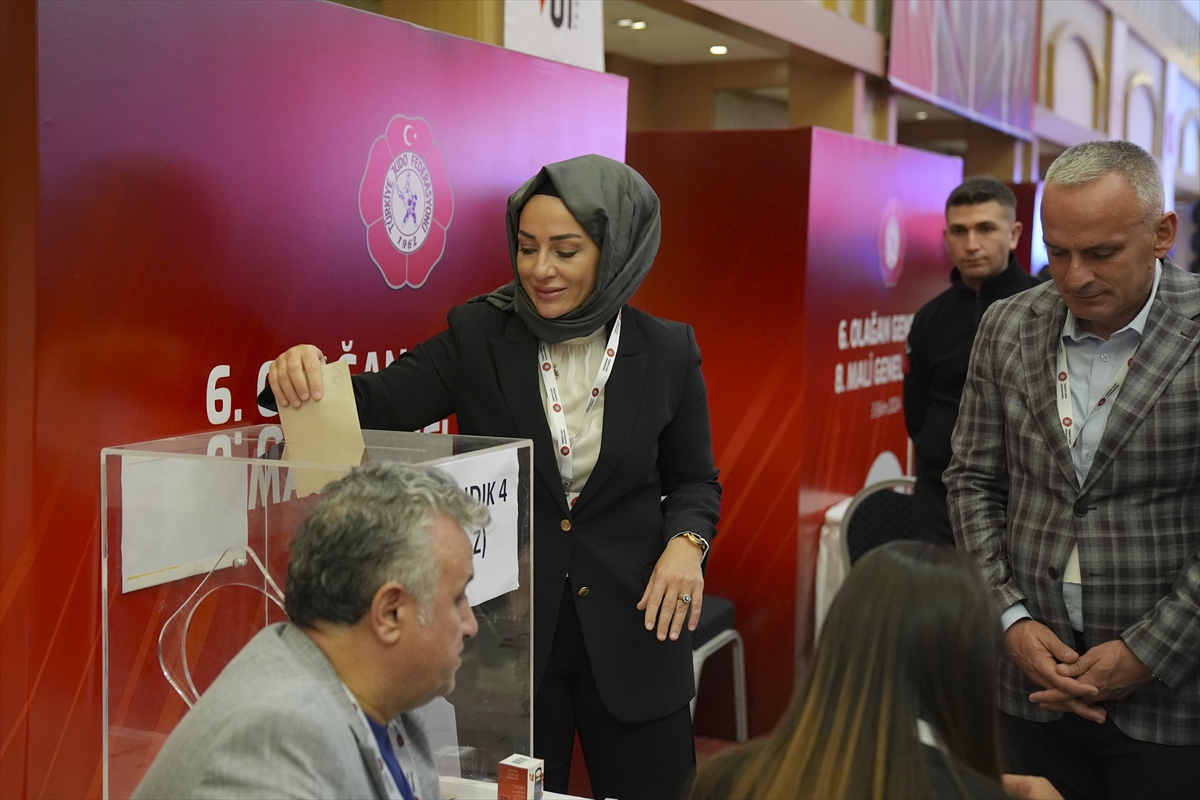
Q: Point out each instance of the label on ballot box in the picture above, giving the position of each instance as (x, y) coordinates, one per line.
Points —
(519, 778)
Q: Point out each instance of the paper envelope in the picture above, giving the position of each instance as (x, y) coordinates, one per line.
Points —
(324, 431)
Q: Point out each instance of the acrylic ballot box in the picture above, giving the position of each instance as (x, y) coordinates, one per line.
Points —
(197, 533)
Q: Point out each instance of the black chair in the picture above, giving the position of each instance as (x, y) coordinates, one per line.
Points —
(714, 631)
(878, 514)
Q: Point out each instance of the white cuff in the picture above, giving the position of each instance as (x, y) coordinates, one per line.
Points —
(1013, 614)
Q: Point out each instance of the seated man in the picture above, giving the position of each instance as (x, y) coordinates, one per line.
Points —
(315, 707)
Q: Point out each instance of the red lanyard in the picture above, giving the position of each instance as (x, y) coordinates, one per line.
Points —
(564, 443)
(1066, 407)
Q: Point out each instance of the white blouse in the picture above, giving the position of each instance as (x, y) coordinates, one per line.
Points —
(576, 362)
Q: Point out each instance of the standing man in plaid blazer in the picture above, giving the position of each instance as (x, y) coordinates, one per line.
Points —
(1075, 484)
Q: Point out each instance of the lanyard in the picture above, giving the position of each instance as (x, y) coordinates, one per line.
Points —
(395, 784)
(564, 443)
(1066, 408)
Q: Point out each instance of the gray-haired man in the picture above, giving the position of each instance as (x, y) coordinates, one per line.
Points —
(315, 708)
(1075, 484)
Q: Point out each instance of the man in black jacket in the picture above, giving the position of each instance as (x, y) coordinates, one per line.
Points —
(981, 232)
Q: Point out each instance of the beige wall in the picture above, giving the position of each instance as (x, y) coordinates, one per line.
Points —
(1075, 41)
(1141, 82)
(1090, 51)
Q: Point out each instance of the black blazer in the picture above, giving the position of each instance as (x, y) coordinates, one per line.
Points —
(654, 478)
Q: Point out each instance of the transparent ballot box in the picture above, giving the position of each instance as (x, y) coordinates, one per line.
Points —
(197, 532)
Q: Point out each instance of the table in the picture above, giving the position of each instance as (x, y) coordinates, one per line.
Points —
(467, 789)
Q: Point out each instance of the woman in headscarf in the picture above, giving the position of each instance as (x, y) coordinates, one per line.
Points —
(626, 497)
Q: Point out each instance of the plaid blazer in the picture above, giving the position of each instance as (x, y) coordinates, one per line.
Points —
(1017, 506)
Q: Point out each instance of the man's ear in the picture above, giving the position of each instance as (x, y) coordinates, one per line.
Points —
(1014, 234)
(1164, 234)
(392, 611)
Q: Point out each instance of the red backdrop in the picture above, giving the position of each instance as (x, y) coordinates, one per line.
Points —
(198, 210)
(778, 247)
(1027, 207)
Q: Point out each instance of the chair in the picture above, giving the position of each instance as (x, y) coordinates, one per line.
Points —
(714, 631)
(877, 515)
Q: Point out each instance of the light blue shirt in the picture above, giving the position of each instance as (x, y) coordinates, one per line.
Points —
(1092, 363)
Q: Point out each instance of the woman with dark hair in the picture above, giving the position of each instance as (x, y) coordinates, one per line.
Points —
(626, 497)
(900, 700)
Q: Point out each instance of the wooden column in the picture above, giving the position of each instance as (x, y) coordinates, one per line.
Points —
(643, 112)
(830, 98)
(482, 20)
(990, 152)
(685, 97)
(1033, 162)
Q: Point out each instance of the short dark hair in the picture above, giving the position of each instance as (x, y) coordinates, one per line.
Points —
(982, 189)
(370, 528)
(913, 634)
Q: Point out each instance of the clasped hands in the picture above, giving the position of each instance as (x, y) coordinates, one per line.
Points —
(676, 574)
(1072, 682)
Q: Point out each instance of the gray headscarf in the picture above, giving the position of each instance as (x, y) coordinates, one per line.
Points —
(619, 211)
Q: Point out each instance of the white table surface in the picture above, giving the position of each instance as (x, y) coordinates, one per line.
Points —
(467, 789)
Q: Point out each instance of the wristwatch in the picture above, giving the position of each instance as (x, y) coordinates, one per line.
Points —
(695, 539)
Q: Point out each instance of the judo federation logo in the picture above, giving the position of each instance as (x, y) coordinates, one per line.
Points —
(891, 243)
(407, 194)
(406, 202)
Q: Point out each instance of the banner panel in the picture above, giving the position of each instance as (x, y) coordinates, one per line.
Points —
(799, 257)
(219, 180)
(975, 59)
(875, 256)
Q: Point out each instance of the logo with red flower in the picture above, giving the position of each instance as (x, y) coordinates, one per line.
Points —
(1062, 376)
(891, 243)
(1067, 422)
(406, 202)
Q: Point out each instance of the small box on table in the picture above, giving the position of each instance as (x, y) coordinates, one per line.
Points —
(520, 778)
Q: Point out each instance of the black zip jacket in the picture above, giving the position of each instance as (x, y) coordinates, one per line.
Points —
(939, 347)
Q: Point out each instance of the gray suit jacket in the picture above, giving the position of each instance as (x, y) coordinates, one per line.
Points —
(277, 723)
(1017, 506)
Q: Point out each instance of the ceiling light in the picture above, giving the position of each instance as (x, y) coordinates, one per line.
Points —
(922, 115)
(718, 49)
(639, 25)
(624, 23)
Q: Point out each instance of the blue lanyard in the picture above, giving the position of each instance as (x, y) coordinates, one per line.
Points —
(389, 758)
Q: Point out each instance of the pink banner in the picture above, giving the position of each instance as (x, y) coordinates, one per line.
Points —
(219, 180)
(976, 59)
(799, 256)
